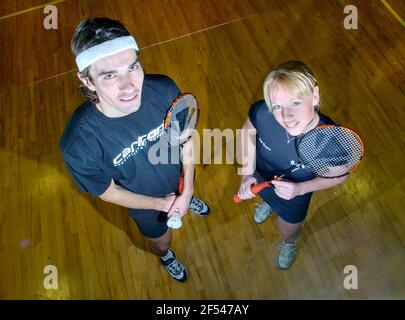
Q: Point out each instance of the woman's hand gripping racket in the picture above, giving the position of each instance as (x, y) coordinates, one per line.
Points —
(329, 151)
(179, 125)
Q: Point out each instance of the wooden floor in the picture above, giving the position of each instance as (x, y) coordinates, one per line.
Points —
(221, 50)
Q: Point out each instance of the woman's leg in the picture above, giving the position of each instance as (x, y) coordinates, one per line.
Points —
(289, 232)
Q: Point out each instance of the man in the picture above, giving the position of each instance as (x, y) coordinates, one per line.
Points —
(105, 144)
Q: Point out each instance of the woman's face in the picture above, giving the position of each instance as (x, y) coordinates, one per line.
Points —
(295, 114)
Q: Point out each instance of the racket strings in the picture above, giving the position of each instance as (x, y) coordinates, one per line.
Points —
(330, 151)
(181, 120)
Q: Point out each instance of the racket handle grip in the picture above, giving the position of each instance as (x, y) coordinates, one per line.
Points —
(255, 189)
(259, 187)
(181, 185)
(236, 198)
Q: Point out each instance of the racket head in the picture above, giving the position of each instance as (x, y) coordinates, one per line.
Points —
(330, 151)
(181, 119)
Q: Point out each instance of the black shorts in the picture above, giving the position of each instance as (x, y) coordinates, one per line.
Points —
(151, 223)
(291, 211)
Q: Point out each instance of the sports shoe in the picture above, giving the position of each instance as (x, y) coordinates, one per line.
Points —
(175, 268)
(287, 255)
(262, 212)
(199, 207)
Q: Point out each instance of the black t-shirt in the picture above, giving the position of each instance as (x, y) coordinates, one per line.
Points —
(275, 149)
(275, 154)
(97, 148)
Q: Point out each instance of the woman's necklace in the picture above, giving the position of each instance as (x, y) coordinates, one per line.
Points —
(291, 138)
(308, 127)
(288, 137)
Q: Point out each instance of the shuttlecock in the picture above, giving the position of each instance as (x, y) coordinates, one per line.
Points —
(174, 221)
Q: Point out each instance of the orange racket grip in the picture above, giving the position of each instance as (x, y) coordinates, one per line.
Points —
(236, 198)
(181, 185)
(255, 189)
(259, 187)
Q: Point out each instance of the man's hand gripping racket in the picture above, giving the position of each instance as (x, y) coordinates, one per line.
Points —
(328, 151)
(179, 125)
(174, 220)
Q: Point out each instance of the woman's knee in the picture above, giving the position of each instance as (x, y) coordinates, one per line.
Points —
(288, 229)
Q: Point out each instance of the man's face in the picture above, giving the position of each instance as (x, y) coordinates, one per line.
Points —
(295, 114)
(118, 81)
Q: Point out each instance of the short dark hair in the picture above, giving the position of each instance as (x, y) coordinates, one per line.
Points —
(89, 33)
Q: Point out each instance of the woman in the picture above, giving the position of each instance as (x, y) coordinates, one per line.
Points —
(290, 108)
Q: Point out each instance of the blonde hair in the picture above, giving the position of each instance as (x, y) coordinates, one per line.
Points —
(295, 76)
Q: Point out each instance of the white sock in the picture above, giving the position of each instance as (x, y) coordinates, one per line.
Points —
(167, 256)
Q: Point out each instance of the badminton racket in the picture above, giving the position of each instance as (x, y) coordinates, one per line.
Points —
(179, 125)
(181, 120)
(328, 151)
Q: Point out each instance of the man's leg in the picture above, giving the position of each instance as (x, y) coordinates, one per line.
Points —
(161, 247)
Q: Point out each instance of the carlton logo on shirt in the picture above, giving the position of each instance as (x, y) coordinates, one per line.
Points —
(137, 145)
(264, 144)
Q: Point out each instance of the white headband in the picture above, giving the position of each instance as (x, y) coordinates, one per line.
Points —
(107, 48)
